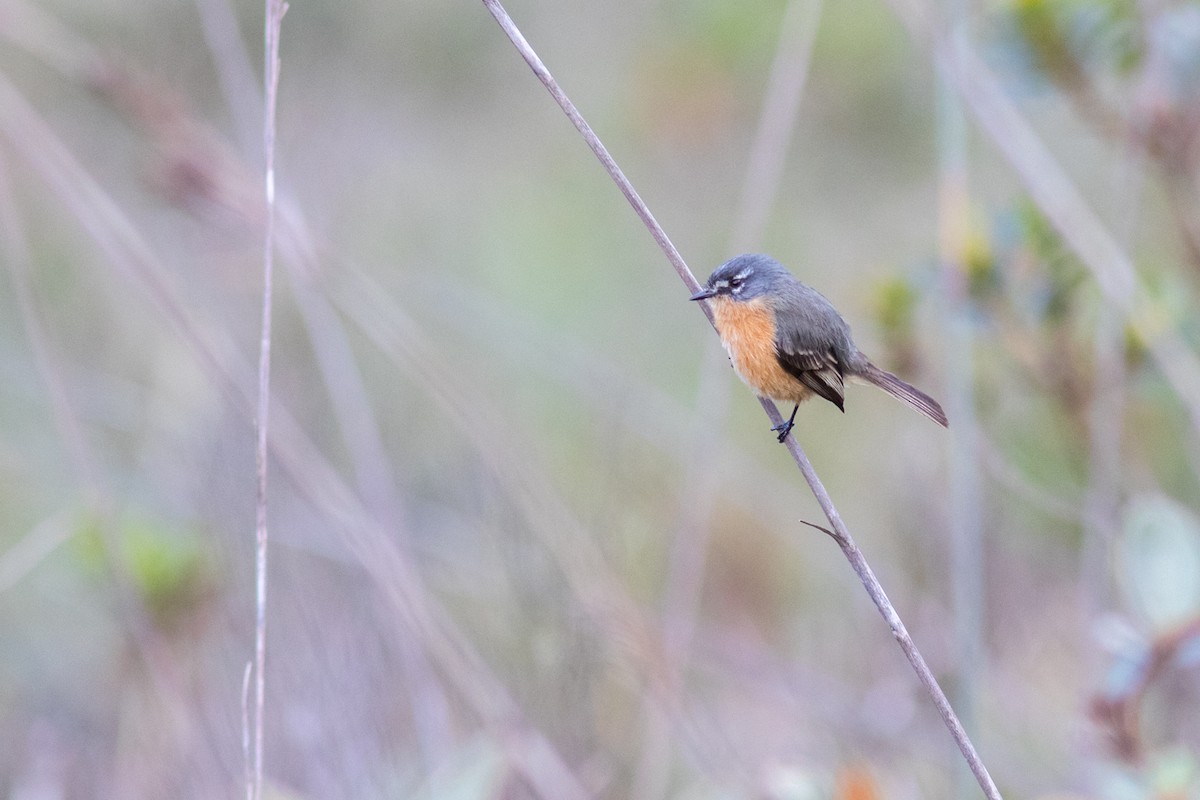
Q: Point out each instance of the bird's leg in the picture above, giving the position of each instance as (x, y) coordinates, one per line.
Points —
(784, 428)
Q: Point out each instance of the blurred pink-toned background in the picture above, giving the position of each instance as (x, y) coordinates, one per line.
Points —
(530, 536)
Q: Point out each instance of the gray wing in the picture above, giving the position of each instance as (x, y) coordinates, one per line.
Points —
(818, 369)
(812, 342)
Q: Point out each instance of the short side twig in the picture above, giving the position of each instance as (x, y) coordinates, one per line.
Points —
(858, 562)
(840, 533)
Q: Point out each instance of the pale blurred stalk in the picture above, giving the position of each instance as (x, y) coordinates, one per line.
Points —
(965, 506)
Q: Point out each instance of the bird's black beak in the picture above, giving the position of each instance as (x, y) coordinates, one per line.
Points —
(704, 294)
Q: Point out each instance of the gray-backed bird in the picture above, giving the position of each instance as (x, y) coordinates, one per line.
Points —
(787, 342)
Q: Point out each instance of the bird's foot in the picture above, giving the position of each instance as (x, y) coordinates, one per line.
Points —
(784, 428)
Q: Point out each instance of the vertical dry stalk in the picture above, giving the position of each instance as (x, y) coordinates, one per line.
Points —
(246, 760)
(840, 533)
(1060, 200)
(965, 506)
(315, 478)
(275, 9)
(687, 561)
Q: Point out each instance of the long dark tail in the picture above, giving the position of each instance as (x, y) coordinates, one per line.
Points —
(906, 392)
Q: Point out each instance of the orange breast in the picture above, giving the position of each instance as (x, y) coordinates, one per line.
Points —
(747, 330)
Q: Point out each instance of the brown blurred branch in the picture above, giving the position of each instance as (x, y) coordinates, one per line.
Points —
(1118, 711)
(841, 533)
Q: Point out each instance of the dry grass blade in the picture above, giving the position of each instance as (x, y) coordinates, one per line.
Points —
(275, 9)
(299, 458)
(690, 539)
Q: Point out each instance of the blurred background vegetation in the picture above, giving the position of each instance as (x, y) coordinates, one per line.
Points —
(530, 536)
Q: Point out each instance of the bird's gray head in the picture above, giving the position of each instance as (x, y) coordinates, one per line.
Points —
(744, 277)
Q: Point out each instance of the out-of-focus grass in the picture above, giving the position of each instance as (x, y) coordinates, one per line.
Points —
(536, 417)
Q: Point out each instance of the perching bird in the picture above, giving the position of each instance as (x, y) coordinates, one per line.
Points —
(787, 342)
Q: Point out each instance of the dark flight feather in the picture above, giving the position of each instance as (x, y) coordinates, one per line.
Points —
(820, 372)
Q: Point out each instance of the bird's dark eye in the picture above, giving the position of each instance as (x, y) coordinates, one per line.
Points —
(735, 283)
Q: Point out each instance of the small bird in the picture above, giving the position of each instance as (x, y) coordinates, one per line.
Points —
(787, 342)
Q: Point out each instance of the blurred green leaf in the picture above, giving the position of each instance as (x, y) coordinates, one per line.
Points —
(979, 260)
(1040, 24)
(1117, 782)
(1165, 307)
(166, 565)
(895, 306)
(1070, 41)
(792, 783)
(726, 31)
(1159, 560)
(87, 544)
(1175, 774)
(476, 771)
(1064, 274)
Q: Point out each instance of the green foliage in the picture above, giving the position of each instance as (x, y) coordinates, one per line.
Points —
(1062, 275)
(1166, 306)
(895, 306)
(548, 335)
(1159, 560)
(725, 31)
(1175, 773)
(1064, 39)
(478, 770)
(984, 278)
(165, 565)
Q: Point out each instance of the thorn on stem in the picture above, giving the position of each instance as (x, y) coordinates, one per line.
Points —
(824, 530)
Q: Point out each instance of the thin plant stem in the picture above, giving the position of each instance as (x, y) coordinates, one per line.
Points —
(335, 358)
(246, 759)
(965, 494)
(35, 547)
(858, 562)
(15, 249)
(777, 122)
(593, 141)
(841, 534)
(368, 539)
(235, 71)
(273, 20)
(374, 479)
(1057, 197)
(1106, 413)
(687, 562)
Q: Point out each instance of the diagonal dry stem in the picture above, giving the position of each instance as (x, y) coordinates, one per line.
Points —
(841, 533)
(690, 539)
